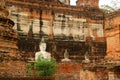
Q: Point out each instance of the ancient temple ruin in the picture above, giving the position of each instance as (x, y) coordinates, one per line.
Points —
(80, 29)
(61, 25)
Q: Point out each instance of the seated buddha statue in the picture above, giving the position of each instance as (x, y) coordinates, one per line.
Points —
(42, 54)
(66, 56)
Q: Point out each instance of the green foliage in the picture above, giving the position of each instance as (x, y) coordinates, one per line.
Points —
(112, 6)
(46, 67)
(107, 8)
(29, 68)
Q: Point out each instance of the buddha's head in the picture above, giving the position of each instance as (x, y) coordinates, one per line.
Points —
(42, 45)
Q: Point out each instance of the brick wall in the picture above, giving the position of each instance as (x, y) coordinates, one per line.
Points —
(12, 68)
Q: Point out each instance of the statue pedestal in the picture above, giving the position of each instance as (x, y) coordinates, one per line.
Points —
(86, 61)
(65, 60)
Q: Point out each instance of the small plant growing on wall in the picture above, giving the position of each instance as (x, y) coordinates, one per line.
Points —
(46, 67)
(29, 68)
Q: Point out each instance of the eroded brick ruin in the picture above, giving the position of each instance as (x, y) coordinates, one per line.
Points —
(61, 25)
(8, 36)
(80, 29)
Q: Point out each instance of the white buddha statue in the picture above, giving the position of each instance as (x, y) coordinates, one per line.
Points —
(42, 54)
(87, 60)
(66, 56)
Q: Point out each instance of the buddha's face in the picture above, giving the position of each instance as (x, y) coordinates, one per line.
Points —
(42, 47)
